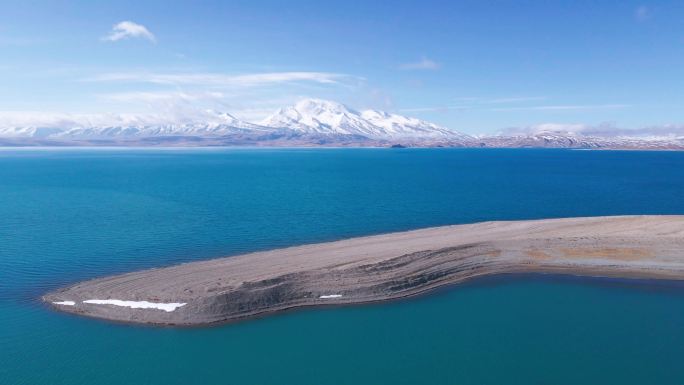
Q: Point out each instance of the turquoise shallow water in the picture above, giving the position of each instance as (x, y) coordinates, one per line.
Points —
(67, 215)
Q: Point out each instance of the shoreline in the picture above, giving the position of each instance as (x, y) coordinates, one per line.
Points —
(319, 147)
(382, 267)
(658, 284)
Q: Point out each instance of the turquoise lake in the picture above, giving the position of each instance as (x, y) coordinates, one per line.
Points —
(73, 214)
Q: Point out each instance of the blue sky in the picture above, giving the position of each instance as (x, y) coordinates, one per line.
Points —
(473, 66)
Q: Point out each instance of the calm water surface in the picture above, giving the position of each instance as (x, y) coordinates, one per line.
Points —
(67, 215)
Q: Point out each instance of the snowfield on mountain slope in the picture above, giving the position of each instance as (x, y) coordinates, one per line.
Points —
(314, 116)
(399, 126)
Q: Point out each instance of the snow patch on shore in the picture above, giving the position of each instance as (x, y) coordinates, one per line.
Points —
(167, 307)
(330, 296)
(65, 303)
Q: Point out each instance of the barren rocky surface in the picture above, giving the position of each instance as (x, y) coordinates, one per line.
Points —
(381, 267)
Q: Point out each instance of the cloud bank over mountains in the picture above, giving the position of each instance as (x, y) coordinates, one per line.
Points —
(608, 130)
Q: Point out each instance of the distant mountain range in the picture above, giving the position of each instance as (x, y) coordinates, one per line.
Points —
(311, 122)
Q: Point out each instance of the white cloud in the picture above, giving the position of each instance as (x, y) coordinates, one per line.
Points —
(179, 105)
(518, 99)
(468, 99)
(667, 130)
(499, 100)
(546, 127)
(128, 30)
(223, 80)
(607, 130)
(482, 104)
(161, 96)
(154, 108)
(258, 108)
(570, 107)
(248, 96)
(436, 109)
(254, 115)
(478, 103)
(61, 120)
(423, 64)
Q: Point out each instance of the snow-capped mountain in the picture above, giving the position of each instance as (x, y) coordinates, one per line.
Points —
(216, 124)
(399, 126)
(570, 139)
(311, 116)
(310, 122)
(29, 132)
(315, 116)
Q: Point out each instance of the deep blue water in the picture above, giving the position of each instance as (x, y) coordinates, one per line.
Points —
(68, 215)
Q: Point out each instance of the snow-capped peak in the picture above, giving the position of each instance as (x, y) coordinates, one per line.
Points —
(320, 106)
(210, 123)
(315, 116)
(308, 116)
(228, 120)
(399, 126)
(327, 117)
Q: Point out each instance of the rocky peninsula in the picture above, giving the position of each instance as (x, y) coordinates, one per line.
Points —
(380, 267)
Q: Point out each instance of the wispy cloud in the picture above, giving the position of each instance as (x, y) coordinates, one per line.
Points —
(62, 120)
(249, 96)
(128, 30)
(605, 130)
(468, 99)
(569, 107)
(481, 101)
(161, 96)
(435, 109)
(517, 99)
(223, 80)
(423, 64)
(545, 128)
(165, 108)
(472, 103)
(486, 104)
(667, 130)
(498, 100)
